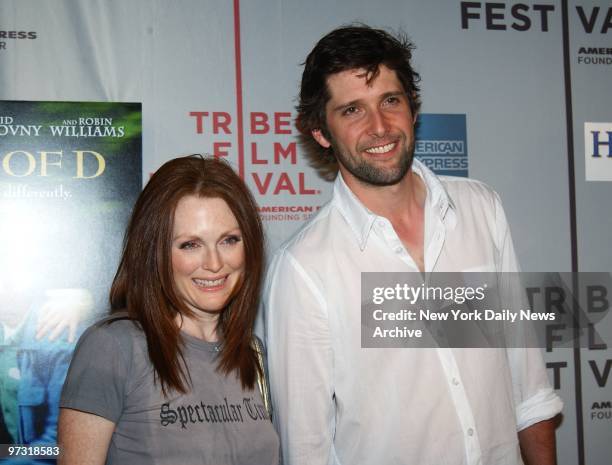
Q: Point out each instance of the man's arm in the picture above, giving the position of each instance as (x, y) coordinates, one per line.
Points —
(300, 363)
(538, 443)
(537, 404)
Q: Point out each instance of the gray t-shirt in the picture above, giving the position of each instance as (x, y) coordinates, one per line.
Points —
(216, 423)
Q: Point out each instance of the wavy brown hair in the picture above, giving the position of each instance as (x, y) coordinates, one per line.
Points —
(356, 46)
(144, 284)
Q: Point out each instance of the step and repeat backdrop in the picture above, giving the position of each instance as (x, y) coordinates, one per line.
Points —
(516, 94)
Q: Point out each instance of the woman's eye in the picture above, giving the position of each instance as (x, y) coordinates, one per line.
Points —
(231, 240)
(188, 245)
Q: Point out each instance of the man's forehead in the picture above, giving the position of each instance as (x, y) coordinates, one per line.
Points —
(359, 73)
(361, 79)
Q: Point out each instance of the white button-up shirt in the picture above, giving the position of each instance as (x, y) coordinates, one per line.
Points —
(336, 403)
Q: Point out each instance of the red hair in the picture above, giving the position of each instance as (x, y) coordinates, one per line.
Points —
(144, 284)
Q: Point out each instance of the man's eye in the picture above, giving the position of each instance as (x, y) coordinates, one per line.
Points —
(349, 111)
(392, 100)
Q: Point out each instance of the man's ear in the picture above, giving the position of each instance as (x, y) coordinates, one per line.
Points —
(317, 134)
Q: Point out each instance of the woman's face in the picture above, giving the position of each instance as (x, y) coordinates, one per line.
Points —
(207, 253)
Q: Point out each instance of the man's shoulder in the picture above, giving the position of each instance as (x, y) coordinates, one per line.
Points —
(313, 237)
(468, 185)
(468, 191)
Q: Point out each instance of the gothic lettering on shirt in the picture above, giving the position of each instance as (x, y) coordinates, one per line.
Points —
(226, 412)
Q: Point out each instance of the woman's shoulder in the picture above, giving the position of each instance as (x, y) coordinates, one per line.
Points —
(116, 329)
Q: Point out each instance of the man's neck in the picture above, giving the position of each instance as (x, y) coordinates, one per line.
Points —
(399, 203)
(403, 204)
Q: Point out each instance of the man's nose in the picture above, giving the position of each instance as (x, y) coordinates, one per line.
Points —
(378, 124)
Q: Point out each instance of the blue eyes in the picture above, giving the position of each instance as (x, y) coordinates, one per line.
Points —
(228, 240)
(231, 240)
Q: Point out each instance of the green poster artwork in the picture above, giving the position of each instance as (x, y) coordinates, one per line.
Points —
(70, 173)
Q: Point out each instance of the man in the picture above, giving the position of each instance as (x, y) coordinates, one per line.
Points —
(39, 323)
(32, 371)
(334, 402)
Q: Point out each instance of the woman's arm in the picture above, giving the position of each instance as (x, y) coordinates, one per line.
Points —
(83, 438)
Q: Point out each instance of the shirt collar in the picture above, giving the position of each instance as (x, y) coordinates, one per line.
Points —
(361, 220)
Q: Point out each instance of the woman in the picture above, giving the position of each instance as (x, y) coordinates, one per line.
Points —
(171, 376)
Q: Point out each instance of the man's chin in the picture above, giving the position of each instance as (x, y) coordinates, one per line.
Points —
(368, 174)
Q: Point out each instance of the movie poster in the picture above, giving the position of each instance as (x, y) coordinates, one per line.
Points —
(70, 173)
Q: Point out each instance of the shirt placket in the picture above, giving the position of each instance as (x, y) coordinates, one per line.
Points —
(435, 234)
(385, 230)
(471, 441)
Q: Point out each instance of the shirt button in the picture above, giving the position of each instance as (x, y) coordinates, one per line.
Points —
(455, 381)
(470, 432)
(381, 224)
(398, 250)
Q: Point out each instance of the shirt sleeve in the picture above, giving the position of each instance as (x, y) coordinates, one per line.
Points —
(97, 376)
(300, 363)
(534, 398)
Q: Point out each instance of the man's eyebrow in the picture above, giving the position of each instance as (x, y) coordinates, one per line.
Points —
(342, 106)
(393, 93)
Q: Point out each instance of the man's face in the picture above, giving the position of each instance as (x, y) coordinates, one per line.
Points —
(371, 127)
